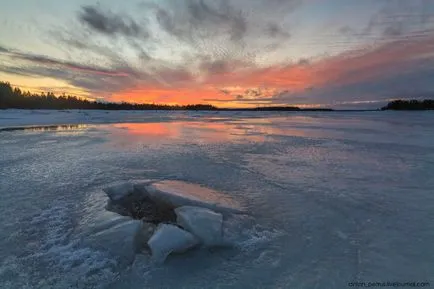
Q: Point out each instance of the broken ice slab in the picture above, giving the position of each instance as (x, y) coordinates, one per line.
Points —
(203, 223)
(179, 193)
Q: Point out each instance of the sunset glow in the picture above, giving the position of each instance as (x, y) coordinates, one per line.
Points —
(242, 55)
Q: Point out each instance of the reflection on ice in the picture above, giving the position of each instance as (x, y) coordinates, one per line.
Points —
(209, 132)
(212, 131)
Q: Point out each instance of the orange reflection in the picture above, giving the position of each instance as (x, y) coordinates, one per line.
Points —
(148, 129)
(172, 132)
(211, 131)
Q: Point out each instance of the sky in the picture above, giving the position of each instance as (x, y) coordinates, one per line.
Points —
(228, 53)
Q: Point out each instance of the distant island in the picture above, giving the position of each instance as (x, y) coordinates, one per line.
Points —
(11, 97)
(427, 104)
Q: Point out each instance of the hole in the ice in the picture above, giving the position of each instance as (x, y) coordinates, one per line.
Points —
(140, 207)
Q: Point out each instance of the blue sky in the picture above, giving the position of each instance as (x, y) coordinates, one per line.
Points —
(224, 52)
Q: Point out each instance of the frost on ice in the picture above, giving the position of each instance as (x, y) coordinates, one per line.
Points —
(164, 217)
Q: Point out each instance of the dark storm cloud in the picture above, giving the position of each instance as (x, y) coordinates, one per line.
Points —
(110, 23)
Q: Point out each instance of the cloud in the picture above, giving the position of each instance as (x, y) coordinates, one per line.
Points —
(93, 79)
(215, 18)
(224, 91)
(3, 49)
(393, 31)
(398, 69)
(274, 30)
(200, 50)
(394, 20)
(225, 28)
(198, 22)
(36, 59)
(47, 61)
(110, 23)
(359, 77)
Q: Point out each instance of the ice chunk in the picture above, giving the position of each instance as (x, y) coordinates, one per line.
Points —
(117, 192)
(170, 239)
(141, 185)
(205, 224)
(120, 236)
(178, 194)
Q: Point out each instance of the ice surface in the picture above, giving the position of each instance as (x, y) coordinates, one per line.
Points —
(169, 239)
(333, 197)
(179, 193)
(203, 223)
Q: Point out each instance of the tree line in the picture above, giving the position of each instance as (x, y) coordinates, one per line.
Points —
(11, 97)
(427, 104)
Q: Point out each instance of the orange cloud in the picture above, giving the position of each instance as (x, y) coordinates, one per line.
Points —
(167, 95)
(270, 80)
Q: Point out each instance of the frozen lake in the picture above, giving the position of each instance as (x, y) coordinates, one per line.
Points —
(336, 197)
